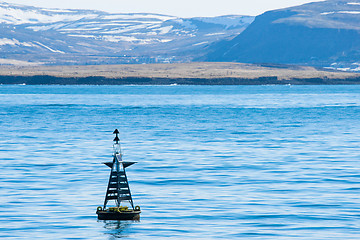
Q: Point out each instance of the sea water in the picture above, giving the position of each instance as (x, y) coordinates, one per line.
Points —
(214, 162)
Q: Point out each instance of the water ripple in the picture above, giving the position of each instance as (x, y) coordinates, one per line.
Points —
(214, 162)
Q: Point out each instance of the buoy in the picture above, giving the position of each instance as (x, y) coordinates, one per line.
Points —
(118, 189)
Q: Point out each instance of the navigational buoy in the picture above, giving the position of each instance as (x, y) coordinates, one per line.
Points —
(118, 189)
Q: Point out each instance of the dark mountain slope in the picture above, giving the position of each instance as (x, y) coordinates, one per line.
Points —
(321, 33)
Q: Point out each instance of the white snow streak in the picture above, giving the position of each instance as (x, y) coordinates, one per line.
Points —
(341, 12)
(350, 12)
(50, 49)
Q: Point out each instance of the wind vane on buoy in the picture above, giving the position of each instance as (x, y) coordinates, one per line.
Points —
(116, 139)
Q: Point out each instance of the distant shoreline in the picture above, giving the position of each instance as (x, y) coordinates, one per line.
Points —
(53, 80)
(180, 74)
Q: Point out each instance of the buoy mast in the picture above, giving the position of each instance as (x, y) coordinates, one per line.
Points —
(118, 188)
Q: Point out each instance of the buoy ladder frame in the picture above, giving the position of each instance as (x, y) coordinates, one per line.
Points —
(118, 187)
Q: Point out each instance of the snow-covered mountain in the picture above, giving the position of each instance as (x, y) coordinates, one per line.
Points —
(31, 35)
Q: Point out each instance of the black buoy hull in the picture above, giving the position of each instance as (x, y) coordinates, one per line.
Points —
(107, 215)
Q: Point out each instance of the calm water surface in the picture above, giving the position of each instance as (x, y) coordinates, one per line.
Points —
(214, 162)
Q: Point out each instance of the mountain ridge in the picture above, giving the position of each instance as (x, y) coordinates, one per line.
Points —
(70, 36)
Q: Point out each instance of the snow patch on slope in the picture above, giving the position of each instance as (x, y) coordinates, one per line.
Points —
(228, 21)
(132, 16)
(20, 16)
(14, 42)
(165, 30)
(6, 61)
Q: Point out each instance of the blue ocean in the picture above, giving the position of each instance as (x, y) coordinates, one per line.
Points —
(213, 162)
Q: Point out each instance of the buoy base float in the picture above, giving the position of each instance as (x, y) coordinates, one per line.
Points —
(120, 213)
